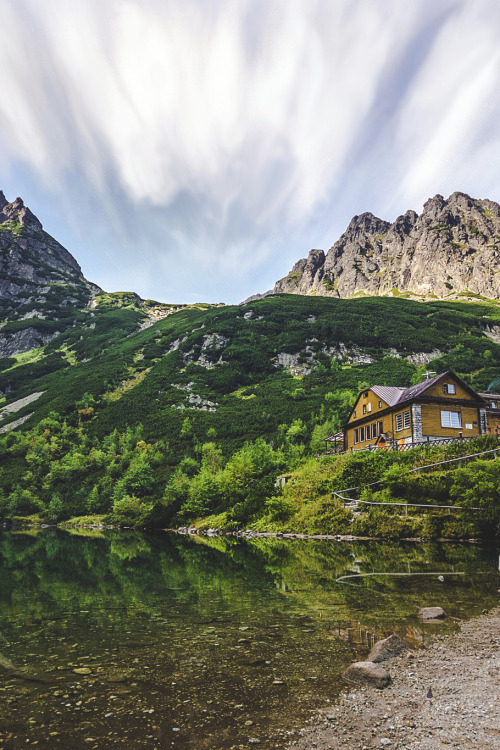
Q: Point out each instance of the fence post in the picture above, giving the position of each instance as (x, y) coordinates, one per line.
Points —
(406, 508)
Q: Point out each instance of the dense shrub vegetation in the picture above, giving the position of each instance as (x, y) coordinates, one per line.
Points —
(194, 417)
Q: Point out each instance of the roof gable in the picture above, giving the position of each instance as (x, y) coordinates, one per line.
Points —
(416, 391)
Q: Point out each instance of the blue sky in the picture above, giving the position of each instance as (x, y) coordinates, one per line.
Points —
(195, 150)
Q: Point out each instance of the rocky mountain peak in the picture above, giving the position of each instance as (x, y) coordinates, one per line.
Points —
(39, 280)
(433, 205)
(17, 211)
(366, 222)
(450, 250)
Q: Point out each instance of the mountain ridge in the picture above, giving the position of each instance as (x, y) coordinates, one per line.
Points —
(450, 251)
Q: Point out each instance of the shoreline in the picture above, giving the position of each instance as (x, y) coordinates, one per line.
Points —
(247, 534)
(443, 696)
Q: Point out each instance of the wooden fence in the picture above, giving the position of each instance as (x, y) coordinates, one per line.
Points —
(353, 502)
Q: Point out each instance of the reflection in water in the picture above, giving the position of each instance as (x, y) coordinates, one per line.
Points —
(134, 640)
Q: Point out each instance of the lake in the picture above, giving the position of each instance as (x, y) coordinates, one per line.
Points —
(124, 639)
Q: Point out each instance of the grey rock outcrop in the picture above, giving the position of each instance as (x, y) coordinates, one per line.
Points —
(39, 280)
(452, 249)
(24, 340)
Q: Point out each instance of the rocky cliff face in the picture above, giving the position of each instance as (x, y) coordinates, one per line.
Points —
(41, 284)
(452, 249)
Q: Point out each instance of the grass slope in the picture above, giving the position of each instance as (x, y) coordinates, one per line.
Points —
(104, 350)
(215, 375)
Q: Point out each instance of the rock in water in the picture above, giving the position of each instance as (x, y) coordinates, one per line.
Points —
(388, 648)
(367, 673)
(6, 663)
(432, 613)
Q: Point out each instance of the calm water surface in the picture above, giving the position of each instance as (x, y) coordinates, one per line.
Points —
(121, 639)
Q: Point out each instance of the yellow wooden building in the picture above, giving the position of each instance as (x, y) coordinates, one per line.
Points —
(439, 407)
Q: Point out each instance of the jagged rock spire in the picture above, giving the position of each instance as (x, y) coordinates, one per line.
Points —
(451, 250)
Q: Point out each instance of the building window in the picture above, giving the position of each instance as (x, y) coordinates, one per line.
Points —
(451, 419)
(356, 436)
(354, 414)
(364, 408)
(493, 404)
(380, 426)
(369, 407)
(402, 421)
(361, 434)
(449, 388)
(365, 395)
(380, 404)
(374, 430)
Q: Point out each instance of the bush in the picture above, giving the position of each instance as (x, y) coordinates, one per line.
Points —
(130, 509)
(55, 511)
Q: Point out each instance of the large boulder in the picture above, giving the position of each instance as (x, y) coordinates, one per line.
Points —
(430, 614)
(388, 648)
(367, 673)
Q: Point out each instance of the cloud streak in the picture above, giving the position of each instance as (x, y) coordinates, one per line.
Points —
(226, 137)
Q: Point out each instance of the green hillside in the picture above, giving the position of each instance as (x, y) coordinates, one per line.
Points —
(193, 388)
(145, 376)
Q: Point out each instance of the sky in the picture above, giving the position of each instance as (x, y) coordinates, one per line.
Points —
(194, 150)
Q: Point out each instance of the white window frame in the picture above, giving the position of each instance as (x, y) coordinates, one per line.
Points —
(450, 389)
(369, 406)
(406, 419)
(451, 420)
(356, 436)
(399, 422)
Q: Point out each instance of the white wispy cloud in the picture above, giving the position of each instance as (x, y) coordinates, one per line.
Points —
(220, 132)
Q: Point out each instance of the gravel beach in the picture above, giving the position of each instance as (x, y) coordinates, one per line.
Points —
(444, 696)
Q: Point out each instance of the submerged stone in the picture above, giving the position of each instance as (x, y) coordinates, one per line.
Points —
(388, 648)
(367, 673)
(432, 613)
